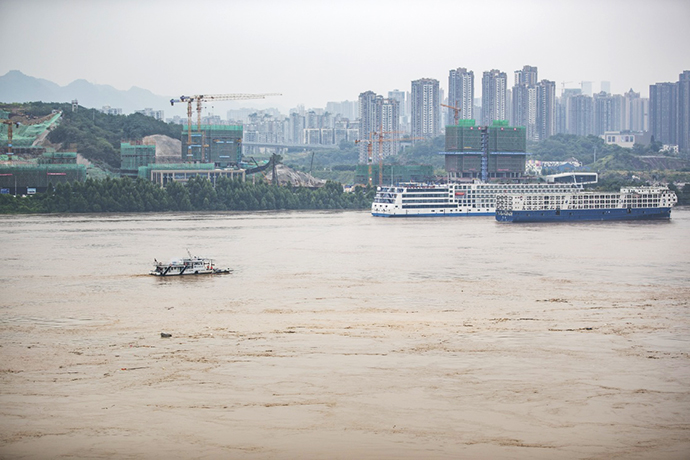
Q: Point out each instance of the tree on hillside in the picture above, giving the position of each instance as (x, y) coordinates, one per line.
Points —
(97, 136)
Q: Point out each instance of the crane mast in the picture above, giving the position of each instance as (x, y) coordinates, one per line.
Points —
(9, 124)
(370, 154)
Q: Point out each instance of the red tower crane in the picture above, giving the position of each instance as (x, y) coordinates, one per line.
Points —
(456, 110)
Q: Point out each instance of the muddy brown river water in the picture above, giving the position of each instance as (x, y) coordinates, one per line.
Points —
(342, 336)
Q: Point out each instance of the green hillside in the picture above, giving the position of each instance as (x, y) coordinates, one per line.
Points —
(94, 135)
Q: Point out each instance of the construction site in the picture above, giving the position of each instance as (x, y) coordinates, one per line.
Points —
(44, 167)
(490, 153)
(30, 164)
(210, 151)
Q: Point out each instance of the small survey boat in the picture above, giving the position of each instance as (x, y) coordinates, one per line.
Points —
(191, 265)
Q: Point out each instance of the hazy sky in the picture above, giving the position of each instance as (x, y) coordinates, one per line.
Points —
(318, 51)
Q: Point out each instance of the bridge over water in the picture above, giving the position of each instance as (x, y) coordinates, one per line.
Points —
(290, 146)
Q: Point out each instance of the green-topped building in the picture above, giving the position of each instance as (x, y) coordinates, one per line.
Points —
(220, 145)
(491, 153)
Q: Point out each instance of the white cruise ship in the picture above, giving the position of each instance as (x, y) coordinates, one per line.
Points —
(631, 203)
(452, 199)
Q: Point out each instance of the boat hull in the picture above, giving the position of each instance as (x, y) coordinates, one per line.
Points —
(215, 271)
(578, 215)
(439, 213)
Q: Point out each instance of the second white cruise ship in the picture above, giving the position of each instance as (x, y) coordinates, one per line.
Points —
(452, 199)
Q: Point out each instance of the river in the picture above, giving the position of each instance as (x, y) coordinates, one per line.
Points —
(340, 336)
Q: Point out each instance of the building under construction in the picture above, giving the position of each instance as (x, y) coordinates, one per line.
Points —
(23, 179)
(133, 155)
(220, 145)
(493, 153)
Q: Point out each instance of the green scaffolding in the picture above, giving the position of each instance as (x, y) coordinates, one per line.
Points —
(40, 176)
(24, 135)
(217, 144)
(501, 138)
(133, 156)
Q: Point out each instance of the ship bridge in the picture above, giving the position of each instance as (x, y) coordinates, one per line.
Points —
(573, 178)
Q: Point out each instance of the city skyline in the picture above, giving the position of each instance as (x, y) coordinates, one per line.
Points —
(316, 52)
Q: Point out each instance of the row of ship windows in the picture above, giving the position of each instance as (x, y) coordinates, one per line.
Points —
(444, 201)
(427, 206)
(577, 199)
(518, 187)
(439, 195)
(471, 194)
(424, 195)
(533, 207)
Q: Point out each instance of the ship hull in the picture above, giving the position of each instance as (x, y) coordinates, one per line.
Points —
(578, 215)
(435, 213)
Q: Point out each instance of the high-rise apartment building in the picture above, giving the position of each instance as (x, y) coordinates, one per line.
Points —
(608, 113)
(525, 109)
(296, 128)
(635, 112)
(367, 125)
(461, 93)
(562, 110)
(580, 115)
(494, 86)
(526, 76)
(389, 126)
(546, 109)
(426, 109)
(403, 109)
(534, 104)
(663, 116)
(524, 101)
(379, 126)
(684, 112)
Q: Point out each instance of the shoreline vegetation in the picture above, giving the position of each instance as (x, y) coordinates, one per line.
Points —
(112, 195)
(127, 195)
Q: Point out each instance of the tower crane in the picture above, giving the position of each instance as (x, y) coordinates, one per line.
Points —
(563, 83)
(370, 155)
(381, 141)
(201, 98)
(9, 124)
(456, 110)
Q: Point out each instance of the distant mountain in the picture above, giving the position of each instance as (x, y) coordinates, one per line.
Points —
(17, 87)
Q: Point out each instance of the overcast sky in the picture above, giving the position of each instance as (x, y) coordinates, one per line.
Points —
(314, 52)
